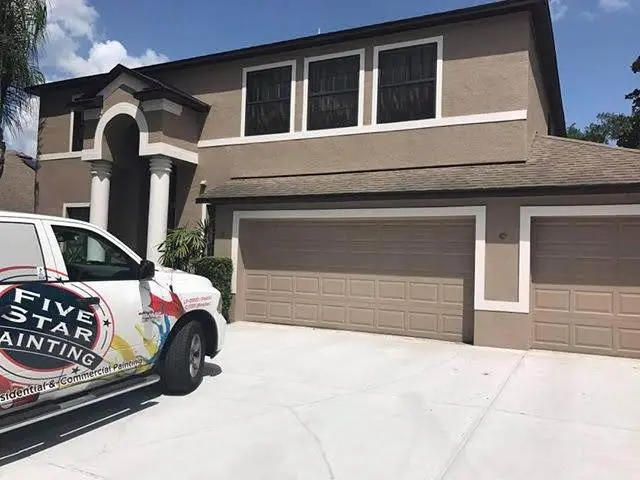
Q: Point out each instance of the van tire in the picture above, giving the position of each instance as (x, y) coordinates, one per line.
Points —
(182, 369)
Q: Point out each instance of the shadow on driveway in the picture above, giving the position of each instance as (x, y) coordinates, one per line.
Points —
(26, 441)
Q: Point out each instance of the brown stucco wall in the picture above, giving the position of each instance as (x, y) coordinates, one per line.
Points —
(17, 185)
(463, 144)
(485, 70)
(62, 181)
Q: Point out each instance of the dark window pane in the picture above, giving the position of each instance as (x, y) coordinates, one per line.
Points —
(77, 139)
(406, 83)
(333, 93)
(406, 102)
(268, 108)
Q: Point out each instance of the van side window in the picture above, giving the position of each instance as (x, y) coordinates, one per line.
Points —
(21, 257)
(90, 257)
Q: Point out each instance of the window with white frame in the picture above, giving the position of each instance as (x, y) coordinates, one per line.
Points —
(268, 100)
(333, 92)
(407, 82)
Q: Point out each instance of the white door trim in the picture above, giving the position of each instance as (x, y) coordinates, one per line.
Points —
(477, 212)
(527, 214)
(67, 205)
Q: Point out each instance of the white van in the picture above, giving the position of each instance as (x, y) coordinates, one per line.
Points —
(83, 318)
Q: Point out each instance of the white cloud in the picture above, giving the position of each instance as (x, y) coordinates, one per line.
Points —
(613, 5)
(76, 17)
(25, 140)
(588, 16)
(558, 9)
(72, 49)
(103, 56)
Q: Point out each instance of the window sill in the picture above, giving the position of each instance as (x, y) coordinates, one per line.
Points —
(507, 116)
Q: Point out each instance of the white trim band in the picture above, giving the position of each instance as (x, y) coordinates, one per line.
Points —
(508, 116)
(59, 156)
(477, 212)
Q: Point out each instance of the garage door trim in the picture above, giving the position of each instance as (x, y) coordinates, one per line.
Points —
(526, 216)
(477, 212)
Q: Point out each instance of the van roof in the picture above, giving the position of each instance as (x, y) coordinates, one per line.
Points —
(37, 216)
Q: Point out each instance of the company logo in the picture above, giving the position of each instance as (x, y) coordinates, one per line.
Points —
(46, 328)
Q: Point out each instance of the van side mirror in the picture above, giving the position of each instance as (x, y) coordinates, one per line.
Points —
(147, 270)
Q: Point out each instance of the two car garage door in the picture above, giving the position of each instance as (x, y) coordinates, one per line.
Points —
(415, 277)
(409, 277)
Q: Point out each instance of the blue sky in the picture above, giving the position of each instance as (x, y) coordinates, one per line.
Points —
(596, 40)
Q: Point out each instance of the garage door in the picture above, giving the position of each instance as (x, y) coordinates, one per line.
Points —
(409, 278)
(586, 285)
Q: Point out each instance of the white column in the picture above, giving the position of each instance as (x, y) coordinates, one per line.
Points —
(100, 185)
(158, 205)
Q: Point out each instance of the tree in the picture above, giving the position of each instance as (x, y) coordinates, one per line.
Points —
(621, 129)
(22, 32)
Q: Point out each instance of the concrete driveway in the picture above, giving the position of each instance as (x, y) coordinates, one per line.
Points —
(294, 403)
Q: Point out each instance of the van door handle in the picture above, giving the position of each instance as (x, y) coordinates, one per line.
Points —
(89, 300)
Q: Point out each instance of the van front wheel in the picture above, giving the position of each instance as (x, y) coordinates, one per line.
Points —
(184, 360)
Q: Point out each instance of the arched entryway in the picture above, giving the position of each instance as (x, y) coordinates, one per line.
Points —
(130, 176)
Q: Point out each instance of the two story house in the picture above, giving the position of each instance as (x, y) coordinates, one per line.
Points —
(408, 178)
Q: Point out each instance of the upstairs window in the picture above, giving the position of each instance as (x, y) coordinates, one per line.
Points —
(407, 83)
(268, 101)
(77, 130)
(333, 92)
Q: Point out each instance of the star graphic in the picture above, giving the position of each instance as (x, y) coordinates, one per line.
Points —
(75, 370)
(106, 323)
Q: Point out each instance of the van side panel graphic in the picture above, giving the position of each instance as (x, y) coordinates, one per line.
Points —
(50, 338)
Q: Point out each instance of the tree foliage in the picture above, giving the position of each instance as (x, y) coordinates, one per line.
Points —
(621, 129)
(22, 31)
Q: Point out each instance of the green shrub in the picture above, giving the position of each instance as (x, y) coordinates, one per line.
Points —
(219, 271)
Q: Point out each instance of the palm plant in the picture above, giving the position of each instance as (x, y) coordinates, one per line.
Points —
(183, 246)
(22, 31)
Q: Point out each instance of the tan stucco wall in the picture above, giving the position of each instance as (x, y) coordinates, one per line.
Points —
(538, 106)
(55, 121)
(62, 181)
(182, 130)
(463, 144)
(16, 185)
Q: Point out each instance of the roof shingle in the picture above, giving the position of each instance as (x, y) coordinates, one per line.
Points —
(552, 162)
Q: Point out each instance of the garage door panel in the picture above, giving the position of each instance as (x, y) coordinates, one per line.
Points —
(587, 299)
(629, 340)
(551, 333)
(363, 277)
(593, 336)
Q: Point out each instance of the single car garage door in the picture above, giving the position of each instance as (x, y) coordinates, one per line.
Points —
(410, 277)
(586, 285)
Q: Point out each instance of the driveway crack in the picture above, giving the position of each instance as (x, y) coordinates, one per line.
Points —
(316, 440)
(474, 427)
(77, 470)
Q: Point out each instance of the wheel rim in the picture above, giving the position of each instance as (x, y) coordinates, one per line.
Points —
(195, 356)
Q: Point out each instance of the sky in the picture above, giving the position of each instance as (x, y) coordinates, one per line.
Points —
(596, 40)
